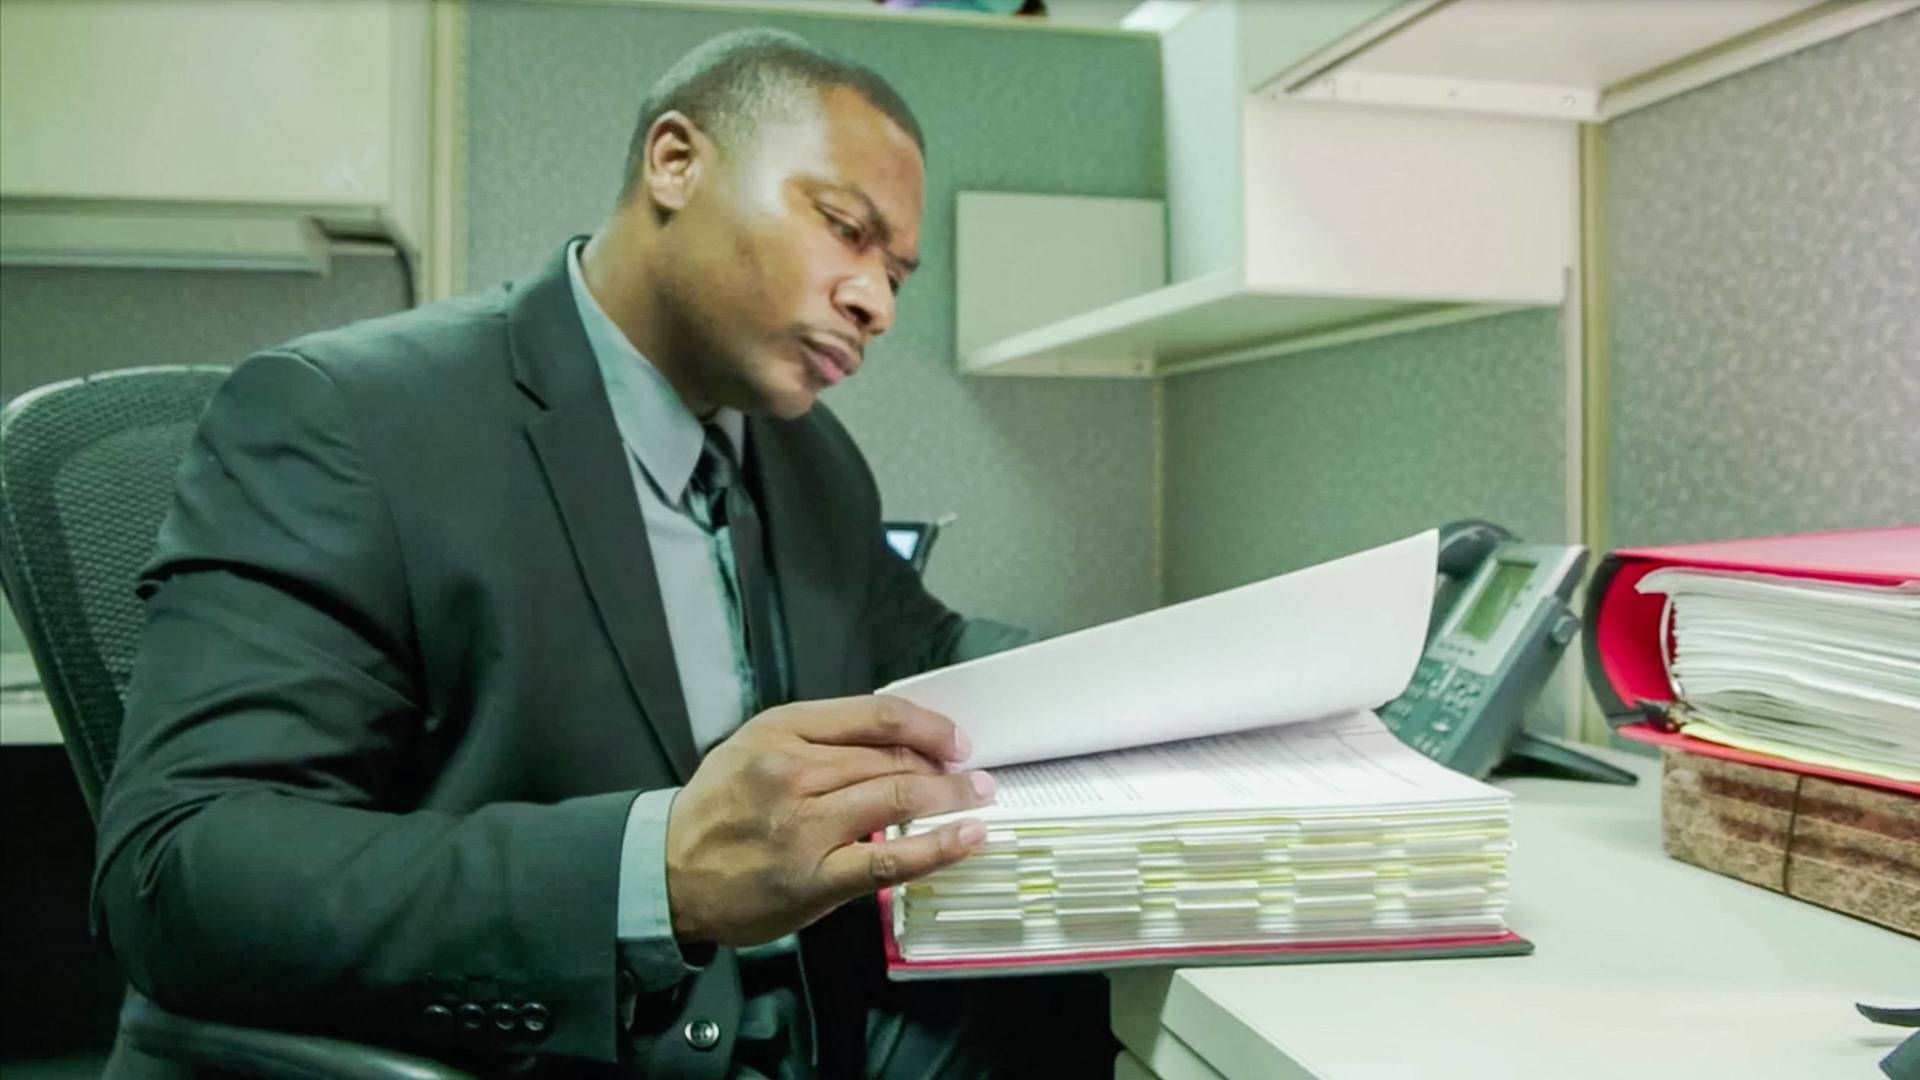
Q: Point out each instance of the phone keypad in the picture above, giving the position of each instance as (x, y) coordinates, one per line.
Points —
(1436, 704)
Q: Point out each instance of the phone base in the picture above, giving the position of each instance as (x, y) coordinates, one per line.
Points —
(1533, 756)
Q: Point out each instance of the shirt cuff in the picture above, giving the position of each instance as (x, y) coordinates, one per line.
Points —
(644, 925)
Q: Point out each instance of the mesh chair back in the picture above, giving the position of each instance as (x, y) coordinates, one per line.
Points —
(86, 476)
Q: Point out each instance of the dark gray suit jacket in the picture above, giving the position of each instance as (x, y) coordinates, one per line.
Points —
(406, 667)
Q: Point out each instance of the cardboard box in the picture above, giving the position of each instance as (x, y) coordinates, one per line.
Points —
(1843, 846)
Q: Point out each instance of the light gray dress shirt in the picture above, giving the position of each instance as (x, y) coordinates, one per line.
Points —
(663, 440)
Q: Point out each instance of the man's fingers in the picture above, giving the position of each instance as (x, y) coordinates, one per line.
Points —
(872, 805)
(830, 768)
(879, 720)
(857, 869)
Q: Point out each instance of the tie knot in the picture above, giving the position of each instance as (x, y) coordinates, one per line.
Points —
(716, 471)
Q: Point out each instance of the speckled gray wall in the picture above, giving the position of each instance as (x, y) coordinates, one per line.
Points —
(1281, 463)
(61, 323)
(1765, 250)
(1051, 479)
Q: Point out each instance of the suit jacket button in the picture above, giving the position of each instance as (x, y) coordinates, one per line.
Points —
(533, 1017)
(702, 1034)
(472, 1016)
(505, 1016)
(439, 1017)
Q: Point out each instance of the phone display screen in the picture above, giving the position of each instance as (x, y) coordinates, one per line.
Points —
(1494, 600)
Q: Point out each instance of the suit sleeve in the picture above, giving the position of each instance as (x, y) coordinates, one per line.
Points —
(261, 857)
(912, 632)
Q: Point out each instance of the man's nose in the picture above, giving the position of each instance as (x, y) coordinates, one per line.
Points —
(867, 302)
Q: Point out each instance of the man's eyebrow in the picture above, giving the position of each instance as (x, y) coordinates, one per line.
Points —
(881, 226)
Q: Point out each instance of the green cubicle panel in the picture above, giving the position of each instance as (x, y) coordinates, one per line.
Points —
(1283, 463)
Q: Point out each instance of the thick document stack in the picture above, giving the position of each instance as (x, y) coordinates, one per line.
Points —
(1781, 678)
(1331, 834)
(1204, 784)
(1823, 671)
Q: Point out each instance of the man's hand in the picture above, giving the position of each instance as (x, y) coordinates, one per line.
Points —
(767, 835)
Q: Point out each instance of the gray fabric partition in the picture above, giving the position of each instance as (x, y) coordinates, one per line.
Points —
(1283, 463)
(1765, 240)
(61, 322)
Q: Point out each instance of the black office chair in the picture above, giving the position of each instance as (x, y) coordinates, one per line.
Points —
(86, 475)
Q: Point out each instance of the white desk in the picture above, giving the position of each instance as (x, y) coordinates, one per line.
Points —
(27, 720)
(1645, 967)
(25, 717)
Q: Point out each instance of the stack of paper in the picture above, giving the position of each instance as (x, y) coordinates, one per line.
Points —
(1203, 782)
(1319, 832)
(1821, 671)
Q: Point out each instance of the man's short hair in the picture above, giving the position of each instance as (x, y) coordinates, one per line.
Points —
(734, 82)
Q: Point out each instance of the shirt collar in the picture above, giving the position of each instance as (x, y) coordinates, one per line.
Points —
(658, 428)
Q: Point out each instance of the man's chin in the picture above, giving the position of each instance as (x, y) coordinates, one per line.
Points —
(789, 402)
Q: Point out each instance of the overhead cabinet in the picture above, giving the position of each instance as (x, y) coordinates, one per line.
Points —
(211, 132)
(1337, 219)
(1289, 221)
(1340, 169)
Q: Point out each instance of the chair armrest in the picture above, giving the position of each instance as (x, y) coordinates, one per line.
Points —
(258, 1052)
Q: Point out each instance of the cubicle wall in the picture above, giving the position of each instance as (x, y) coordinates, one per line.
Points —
(1282, 463)
(1764, 366)
(1051, 479)
(60, 322)
(1765, 307)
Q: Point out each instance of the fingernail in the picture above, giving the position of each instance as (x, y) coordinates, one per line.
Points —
(970, 832)
(962, 745)
(983, 784)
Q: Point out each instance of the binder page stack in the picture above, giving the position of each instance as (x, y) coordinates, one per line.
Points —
(1206, 783)
(1826, 672)
(1799, 653)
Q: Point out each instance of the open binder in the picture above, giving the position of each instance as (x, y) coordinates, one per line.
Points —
(1410, 866)
(1206, 783)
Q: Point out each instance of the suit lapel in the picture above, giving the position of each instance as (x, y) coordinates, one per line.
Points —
(580, 452)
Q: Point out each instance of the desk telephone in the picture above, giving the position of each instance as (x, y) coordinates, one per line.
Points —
(1500, 622)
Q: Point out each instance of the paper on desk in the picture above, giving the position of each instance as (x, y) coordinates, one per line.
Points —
(1334, 638)
(1876, 765)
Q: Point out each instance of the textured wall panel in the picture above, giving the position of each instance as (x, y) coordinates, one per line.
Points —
(1765, 236)
(1051, 479)
(60, 323)
(1283, 463)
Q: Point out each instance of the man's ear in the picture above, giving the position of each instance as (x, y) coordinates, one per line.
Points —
(679, 154)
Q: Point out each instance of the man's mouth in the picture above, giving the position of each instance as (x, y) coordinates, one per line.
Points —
(831, 360)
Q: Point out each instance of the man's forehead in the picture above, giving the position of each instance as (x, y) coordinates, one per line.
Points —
(873, 158)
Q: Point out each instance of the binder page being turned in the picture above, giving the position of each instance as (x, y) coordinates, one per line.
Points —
(1330, 639)
(1326, 766)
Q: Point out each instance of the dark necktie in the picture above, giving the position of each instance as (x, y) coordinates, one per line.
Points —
(839, 952)
(718, 480)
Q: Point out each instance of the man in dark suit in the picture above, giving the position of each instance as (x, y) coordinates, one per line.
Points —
(503, 688)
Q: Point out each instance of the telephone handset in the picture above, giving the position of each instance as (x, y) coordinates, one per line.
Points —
(1500, 622)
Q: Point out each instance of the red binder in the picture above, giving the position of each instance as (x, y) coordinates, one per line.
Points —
(1622, 639)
